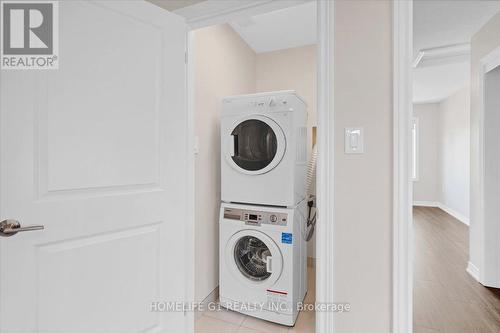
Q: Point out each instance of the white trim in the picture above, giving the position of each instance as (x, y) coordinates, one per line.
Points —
(204, 305)
(462, 218)
(426, 203)
(415, 162)
(190, 225)
(491, 61)
(487, 63)
(325, 229)
(325, 173)
(418, 59)
(440, 55)
(402, 312)
(459, 216)
(473, 271)
(431, 101)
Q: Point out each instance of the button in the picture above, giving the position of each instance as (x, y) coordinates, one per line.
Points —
(273, 218)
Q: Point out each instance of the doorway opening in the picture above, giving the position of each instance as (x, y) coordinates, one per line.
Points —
(453, 154)
(249, 54)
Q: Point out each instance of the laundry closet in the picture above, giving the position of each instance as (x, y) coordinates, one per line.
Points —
(258, 187)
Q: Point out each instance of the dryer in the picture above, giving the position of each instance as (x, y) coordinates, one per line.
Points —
(264, 149)
(263, 260)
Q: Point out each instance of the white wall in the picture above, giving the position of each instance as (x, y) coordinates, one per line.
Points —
(363, 183)
(483, 42)
(427, 188)
(444, 166)
(454, 152)
(224, 65)
(293, 68)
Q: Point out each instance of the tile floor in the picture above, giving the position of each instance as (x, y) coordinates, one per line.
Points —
(225, 321)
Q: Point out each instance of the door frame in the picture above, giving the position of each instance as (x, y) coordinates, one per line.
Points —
(402, 247)
(488, 63)
(225, 12)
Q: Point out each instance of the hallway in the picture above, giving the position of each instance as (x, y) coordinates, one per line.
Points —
(446, 297)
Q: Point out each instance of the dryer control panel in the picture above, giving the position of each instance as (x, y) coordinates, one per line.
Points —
(252, 217)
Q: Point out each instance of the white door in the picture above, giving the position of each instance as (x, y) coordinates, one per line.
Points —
(96, 153)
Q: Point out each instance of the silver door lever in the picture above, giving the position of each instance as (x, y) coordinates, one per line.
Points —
(11, 227)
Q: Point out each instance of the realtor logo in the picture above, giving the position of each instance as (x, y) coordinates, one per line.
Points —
(29, 38)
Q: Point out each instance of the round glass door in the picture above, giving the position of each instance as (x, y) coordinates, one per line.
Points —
(257, 145)
(251, 257)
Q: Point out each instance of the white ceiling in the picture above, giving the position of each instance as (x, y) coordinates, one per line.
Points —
(438, 23)
(444, 23)
(433, 84)
(172, 5)
(281, 29)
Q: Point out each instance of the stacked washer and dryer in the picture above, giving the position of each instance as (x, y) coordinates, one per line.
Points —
(263, 216)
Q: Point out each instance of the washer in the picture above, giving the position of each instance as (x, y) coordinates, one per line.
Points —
(263, 261)
(264, 149)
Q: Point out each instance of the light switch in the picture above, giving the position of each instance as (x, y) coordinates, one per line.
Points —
(354, 140)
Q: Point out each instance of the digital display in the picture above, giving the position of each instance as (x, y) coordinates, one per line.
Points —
(252, 217)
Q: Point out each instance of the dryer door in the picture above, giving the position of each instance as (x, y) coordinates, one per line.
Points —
(256, 145)
(254, 258)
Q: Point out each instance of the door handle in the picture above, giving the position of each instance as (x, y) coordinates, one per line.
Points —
(269, 264)
(11, 227)
(233, 145)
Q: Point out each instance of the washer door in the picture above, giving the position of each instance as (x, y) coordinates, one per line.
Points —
(256, 145)
(254, 258)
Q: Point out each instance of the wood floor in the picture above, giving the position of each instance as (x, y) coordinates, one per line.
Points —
(446, 297)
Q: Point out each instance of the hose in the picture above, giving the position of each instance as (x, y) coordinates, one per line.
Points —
(311, 197)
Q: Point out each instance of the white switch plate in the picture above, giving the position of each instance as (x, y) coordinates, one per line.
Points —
(354, 143)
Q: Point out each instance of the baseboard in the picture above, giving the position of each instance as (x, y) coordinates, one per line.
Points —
(473, 271)
(426, 203)
(211, 298)
(311, 262)
(454, 213)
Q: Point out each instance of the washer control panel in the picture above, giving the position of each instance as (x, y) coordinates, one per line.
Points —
(253, 217)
